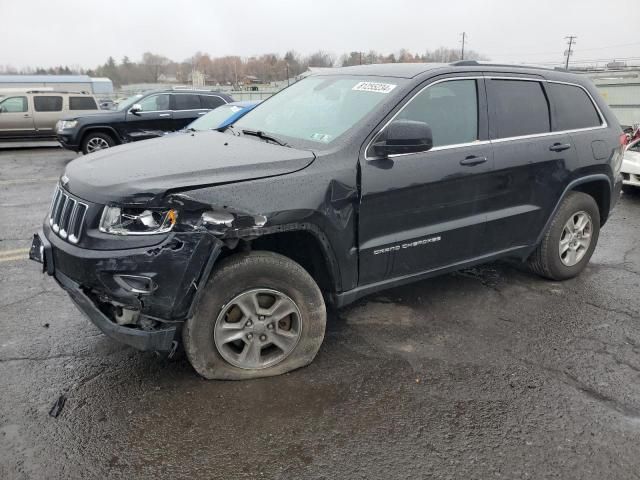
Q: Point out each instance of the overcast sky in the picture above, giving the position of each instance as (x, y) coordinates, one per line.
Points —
(82, 32)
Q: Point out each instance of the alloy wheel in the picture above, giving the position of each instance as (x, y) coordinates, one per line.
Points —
(575, 238)
(257, 329)
(96, 143)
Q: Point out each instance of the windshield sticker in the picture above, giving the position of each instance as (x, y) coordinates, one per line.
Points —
(374, 87)
(321, 137)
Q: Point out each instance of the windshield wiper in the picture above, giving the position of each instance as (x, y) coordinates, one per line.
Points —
(265, 136)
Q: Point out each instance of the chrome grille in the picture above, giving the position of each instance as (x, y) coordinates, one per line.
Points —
(66, 216)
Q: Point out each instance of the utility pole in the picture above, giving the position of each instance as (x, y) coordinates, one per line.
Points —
(360, 57)
(568, 52)
(287, 74)
(464, 36)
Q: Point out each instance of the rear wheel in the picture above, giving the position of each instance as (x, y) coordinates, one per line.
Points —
(261, 315)
(570, 240)
(97, 141)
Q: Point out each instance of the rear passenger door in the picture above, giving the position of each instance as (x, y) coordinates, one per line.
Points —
(47, 111)
(532, 163)
(426, 210)
(186, 108)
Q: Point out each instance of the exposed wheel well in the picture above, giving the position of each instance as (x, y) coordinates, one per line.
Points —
(104, 130)
(300, 246)
(600, 191)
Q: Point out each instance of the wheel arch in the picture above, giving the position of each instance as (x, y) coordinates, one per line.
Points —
(303, 243)
(100, 129)
(597, 186)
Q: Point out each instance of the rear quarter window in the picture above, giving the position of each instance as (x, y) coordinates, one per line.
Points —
(47, 104)
(82, 103)
(573, 108)
(519, 107)
(211, 101)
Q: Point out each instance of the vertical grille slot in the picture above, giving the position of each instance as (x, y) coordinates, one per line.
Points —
(77, 221)
(66, 216)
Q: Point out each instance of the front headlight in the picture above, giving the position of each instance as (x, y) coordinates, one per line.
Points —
(137, 221)
(66, 124)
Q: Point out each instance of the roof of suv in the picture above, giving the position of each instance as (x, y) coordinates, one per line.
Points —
(412, 70)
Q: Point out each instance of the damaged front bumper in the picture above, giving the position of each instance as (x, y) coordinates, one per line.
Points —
(106, 285)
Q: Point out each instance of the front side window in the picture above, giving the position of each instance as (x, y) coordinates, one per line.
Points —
(82, 103)
(573, 108)
(319, 109)
(519, 108)
(183, 101)
(155, 102)
(451, 110)
(14, 105)
(47, 104)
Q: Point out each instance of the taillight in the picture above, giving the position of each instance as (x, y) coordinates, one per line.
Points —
(624, 140)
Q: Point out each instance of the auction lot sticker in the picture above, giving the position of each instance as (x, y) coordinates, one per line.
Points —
(374, 87)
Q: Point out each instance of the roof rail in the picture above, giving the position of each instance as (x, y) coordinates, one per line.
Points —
(81, 92)
(474, 63)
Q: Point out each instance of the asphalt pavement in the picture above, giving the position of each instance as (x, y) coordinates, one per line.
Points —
(487, 373)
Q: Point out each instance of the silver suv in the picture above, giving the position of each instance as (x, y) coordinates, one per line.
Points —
(32, 114)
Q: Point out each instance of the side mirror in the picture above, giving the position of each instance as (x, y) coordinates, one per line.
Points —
(136, 108)
(404, 136)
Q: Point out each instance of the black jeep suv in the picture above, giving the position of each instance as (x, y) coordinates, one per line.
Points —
(139, 117)
(343, 184)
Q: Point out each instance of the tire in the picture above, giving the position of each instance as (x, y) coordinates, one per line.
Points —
(546, 260)
(239, 280)
(92, 141)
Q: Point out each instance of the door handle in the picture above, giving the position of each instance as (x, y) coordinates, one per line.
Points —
(559, 147)
(26, 115)
(472, 160)
(203, 113)
(164, 115)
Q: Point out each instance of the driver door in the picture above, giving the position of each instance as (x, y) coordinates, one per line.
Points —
(423, 211)
(153, 120)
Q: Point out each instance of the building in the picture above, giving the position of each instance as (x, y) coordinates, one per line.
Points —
(71, 83)
(621, 90)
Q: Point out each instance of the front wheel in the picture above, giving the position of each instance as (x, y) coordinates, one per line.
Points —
(262, 314)
(97, 141)
(570, 240)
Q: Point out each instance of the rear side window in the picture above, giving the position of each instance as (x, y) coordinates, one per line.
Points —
(449, 108)
(47, 104)
(14, 105)
(573, 108)
(519, 108)
(186, 102)
(82, 103)
(211, 101)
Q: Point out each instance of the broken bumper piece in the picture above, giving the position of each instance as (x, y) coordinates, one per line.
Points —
(137, 296)
(160, 340)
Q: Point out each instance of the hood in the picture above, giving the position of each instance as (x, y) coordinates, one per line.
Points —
(140, 172)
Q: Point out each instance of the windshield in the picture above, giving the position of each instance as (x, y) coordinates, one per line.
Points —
(317, 109)
(214, 118)
(125, 104)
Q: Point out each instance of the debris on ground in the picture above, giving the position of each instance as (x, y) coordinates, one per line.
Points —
(58, 406)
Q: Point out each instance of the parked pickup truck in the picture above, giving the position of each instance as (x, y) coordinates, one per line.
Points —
(348, 182)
